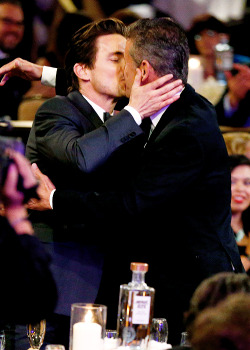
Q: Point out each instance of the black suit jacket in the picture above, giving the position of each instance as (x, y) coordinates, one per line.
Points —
(175, 214)
(60, 143)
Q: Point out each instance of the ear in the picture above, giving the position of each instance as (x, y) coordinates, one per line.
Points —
(81, 71)
(145, 68)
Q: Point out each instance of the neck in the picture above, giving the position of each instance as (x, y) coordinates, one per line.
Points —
(236, 221)
(104, 101)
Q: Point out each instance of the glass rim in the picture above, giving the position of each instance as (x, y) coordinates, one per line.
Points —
(88, 305)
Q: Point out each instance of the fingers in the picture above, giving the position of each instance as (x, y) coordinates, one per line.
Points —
(160, 81)
(36, 171)
(11, 179)
(24, 168)
(137, 81)
(4, 79)
(43, 179)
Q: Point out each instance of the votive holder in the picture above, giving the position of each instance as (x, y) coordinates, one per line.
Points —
(87, 326)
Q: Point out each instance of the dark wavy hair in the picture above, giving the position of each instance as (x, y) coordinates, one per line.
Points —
(82, 47)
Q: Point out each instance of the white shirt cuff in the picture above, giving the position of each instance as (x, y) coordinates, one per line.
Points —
(49, 76)
(51, 198)
(134, 113)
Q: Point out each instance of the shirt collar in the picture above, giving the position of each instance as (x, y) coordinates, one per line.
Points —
(155, 118)
(99, 110)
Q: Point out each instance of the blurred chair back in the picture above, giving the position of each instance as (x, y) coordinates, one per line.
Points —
(236, 142)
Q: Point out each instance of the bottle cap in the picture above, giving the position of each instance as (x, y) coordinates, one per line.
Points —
(137, 266)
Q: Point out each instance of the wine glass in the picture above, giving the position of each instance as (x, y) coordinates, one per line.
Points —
(158, 334)
(159, 330)
(2, 340)
(111, 340)
(36, 333)
(184, 340)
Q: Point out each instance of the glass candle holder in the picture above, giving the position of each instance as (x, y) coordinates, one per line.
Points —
(87, 326)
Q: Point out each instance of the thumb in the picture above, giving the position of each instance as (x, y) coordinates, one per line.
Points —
(36, 171)
(137, 81)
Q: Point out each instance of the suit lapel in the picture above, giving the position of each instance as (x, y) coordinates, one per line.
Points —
(173, 113)
(85, 108)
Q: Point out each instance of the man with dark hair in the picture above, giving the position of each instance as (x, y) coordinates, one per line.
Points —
(174, 211)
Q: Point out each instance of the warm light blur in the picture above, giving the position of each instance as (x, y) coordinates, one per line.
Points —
(194, 63)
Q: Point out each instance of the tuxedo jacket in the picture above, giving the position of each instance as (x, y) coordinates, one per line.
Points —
(174, 214)
(60, 143)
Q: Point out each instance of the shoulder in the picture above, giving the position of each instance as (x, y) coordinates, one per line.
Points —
(61, 104)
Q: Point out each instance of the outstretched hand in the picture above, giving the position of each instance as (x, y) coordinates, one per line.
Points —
(238, 84)
(44, 190)
(149, 98)
(22, 69)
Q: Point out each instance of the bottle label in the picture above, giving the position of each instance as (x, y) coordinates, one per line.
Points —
(141, 309)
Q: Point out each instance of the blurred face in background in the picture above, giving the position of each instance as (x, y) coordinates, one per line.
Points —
(11, 26)
(206, 40)
(240, 187)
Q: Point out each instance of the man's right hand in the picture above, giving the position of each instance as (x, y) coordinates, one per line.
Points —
(22, 69)
(44, 190)
(150, 98)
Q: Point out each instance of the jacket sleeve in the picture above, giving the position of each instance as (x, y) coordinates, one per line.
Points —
(61, 82)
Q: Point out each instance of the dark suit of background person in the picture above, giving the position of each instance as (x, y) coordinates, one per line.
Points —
(15, 88)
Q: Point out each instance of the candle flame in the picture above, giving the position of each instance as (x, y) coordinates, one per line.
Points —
(88, 317)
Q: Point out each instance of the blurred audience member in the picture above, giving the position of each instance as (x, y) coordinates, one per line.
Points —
(224, 327)
(205, 33)
(233, 109)
(29, 291)
(240, 205)
(184, 11)
(212, 291)
(126, 16)
(11, 36)
(69, 24)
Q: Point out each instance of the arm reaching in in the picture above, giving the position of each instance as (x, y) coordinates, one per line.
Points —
(22, 69)
(238, 84)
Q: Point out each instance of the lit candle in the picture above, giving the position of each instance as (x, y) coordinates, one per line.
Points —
(87, 335)
(195, 75)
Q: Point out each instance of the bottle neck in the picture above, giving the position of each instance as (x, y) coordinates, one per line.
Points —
(138, 277)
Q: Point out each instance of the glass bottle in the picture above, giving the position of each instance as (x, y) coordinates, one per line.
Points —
(135, 309)
(223, 58)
